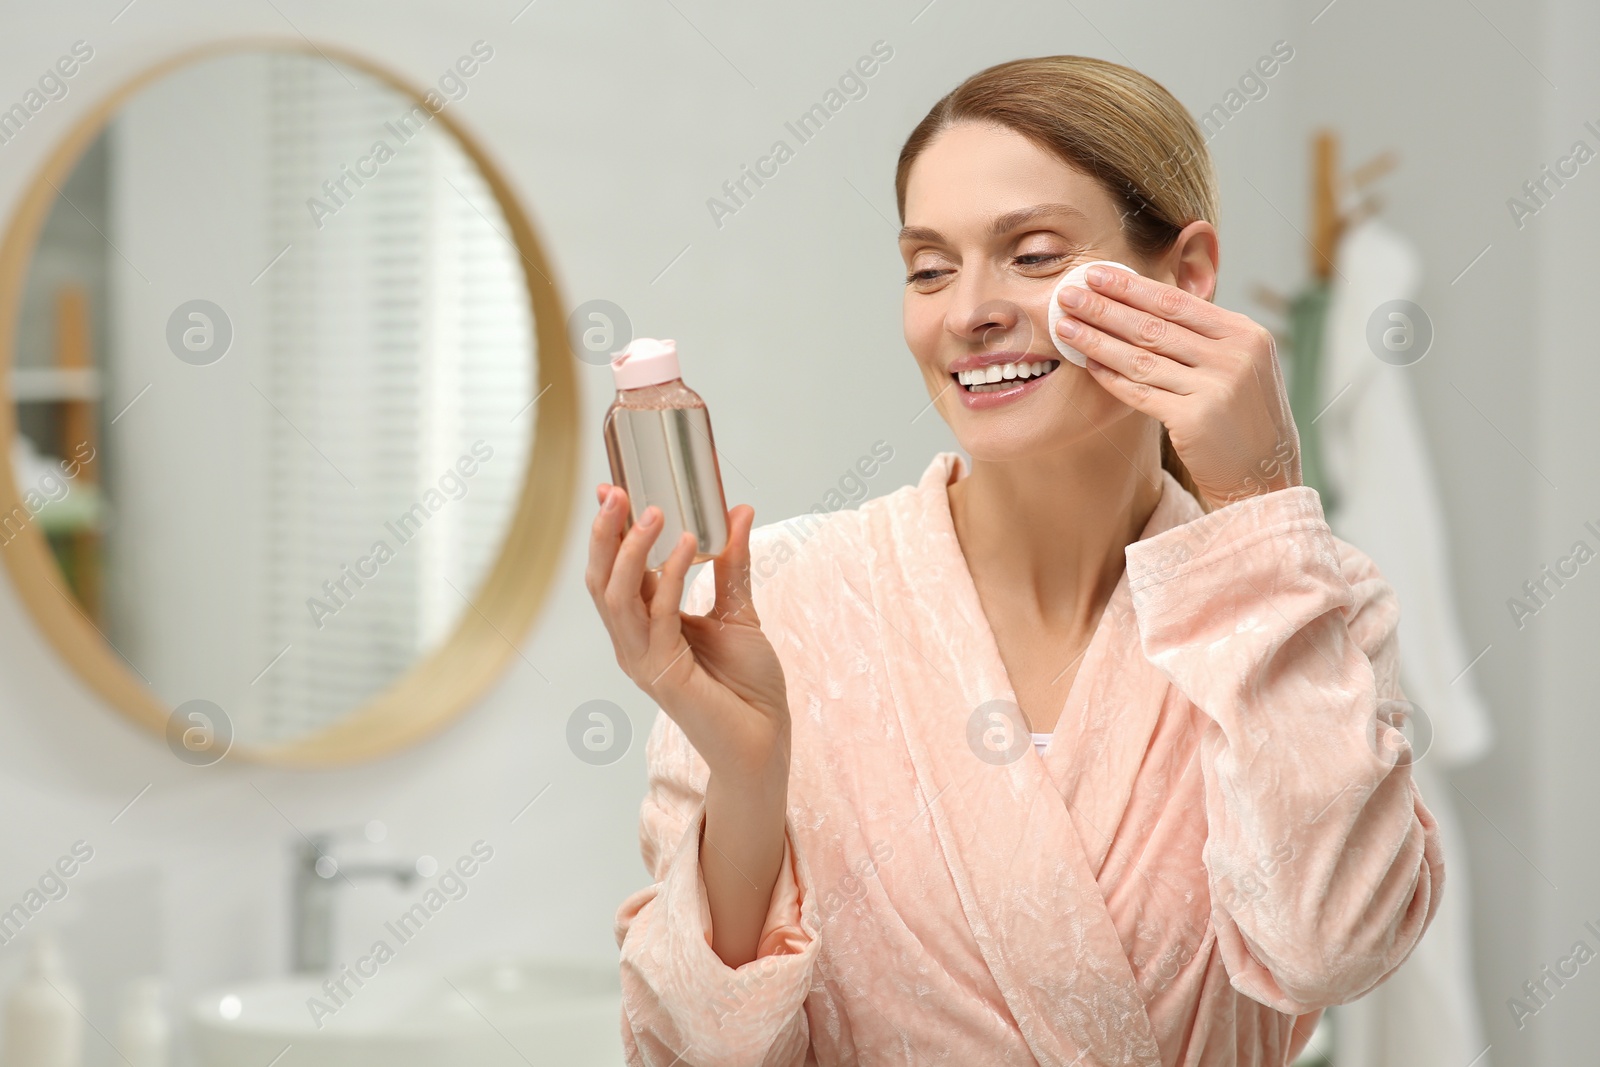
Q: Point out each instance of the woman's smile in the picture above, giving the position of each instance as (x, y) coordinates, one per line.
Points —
(995, 378)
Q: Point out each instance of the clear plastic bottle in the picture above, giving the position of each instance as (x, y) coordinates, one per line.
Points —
(658, 439)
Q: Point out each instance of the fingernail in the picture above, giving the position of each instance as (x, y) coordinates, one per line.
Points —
(1097, 275)
(1067, 327)
(610, 502)
(1072, 296)
(651, 514)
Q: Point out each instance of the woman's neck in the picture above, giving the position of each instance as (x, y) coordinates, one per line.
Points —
(1046, 533)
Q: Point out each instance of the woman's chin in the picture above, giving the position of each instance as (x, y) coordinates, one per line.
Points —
(1035, 425)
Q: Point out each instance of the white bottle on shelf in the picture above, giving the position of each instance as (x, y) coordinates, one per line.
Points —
(44, 1020)
(143, 1033)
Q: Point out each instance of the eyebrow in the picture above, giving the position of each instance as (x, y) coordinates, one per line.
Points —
(1001, 224)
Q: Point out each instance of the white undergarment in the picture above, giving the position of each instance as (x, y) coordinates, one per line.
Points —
(1039, 741)
(1075, 276)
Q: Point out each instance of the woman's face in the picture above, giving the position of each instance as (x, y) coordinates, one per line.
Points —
(992, 222)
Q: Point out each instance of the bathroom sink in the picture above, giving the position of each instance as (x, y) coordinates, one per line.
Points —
(515, 1013)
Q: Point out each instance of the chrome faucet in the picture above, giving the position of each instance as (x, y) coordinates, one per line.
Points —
(317, 873)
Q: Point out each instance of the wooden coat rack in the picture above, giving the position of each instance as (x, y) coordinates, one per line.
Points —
(1304, 313)
(1328, 222)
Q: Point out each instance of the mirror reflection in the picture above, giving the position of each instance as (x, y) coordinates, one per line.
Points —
(274, 388)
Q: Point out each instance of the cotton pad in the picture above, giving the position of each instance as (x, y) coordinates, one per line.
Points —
(1075, 276)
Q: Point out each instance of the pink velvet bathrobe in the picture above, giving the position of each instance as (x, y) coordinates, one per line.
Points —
(1222, 838)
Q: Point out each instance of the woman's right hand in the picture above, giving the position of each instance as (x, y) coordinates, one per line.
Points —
(716, 675)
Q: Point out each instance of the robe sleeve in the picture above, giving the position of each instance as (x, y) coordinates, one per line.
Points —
(1324, 865)
(680, 1003)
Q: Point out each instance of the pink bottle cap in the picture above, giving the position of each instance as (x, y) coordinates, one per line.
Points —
(646, 361)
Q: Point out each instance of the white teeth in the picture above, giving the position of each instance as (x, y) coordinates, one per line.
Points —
(997, 372)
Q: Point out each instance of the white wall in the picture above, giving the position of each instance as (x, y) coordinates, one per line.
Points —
(1567, 672)
(615, 123)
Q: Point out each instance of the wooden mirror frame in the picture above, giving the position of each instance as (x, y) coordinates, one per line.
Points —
(454, 675)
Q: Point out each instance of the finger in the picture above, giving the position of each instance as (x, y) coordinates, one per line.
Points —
(732, 569)
(627, 607)
(1130, 361)
(665, 628)
(1135, 326)
(648, 580)
(603, 543)
(1162, 300)
(1157, 403)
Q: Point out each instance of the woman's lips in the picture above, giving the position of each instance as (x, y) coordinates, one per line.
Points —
(1015, 389)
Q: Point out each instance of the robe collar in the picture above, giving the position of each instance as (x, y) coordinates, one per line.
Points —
(1025, 838)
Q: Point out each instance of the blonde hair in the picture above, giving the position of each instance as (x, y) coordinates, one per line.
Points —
(1120, 127)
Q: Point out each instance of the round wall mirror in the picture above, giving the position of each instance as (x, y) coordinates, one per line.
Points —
(290, 411)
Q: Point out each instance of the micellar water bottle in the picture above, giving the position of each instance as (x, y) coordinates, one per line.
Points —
(658, 438)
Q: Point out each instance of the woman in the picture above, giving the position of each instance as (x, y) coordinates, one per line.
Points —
(858, 857)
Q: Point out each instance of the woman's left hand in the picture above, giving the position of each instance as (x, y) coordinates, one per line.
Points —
(1209, 374)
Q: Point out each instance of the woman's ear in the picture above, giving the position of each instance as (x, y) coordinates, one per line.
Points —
(1193, 259)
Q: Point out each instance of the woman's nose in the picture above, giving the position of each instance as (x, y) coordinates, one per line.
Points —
(993, 323)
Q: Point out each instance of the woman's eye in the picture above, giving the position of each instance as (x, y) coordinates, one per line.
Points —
(1031, 259)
